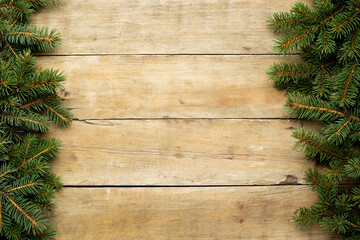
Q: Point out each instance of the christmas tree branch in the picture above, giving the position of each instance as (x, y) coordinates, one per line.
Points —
(21, 187)
(37, 155)
(328, 34)
(348, 82)
(33, 221)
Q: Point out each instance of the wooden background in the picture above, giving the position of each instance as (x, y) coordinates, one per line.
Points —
(178, 133)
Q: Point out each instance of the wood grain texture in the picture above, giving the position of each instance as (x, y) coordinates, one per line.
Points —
(117, 80)
(164, 26)
(180, 152)
(183, 213)
(101, 87)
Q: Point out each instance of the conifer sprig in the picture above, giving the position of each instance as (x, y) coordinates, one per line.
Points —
(325, 87)
(27, 187)
(29, 102)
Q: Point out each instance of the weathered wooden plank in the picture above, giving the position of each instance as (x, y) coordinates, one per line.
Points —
(170, 86)
(180, 152)
(165, 26)
(183, 213)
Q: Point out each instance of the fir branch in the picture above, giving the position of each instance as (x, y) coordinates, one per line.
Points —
(24, 119)
(283, 74)
(28, 103)
(302, 10)
(353, 225)
(312, 108)
(58, 115)
(31, 103)
(25, 214)
(282, 22)
(287, 44)
(11, 49)
(42, 166)
(27, 148)
(13, 132)
(2, 175)
(301, 36)
(352, 47)
(38, 154)
(21, 187)
(328, 34)
(318, 109)
(342, 127)
(340, 26)
(33, 221)
(316, 145)
(347, 83)
(39, 84)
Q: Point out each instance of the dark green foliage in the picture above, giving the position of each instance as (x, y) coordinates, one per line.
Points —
(28, 98)
(27, 188)
(29, 102)
(16, 35)
(324, 87)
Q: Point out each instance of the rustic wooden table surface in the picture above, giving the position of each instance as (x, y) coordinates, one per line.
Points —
(178, 133)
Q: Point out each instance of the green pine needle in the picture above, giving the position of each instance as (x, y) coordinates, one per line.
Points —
(324, 87)
(29, 102)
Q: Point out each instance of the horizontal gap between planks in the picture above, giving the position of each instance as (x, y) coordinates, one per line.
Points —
(179, 186)
(163, 119)
(161, 54)
(200, 186)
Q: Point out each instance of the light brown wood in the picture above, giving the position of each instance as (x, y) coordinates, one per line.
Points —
(165, 26)
(180, 152)
(109, 82)
(170, 86)
(183, 213)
